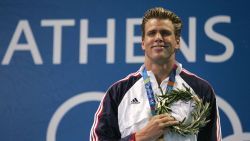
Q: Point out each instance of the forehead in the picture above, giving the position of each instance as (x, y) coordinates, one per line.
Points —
(156, 24)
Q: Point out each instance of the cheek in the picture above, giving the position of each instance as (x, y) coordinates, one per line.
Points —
(148, 42)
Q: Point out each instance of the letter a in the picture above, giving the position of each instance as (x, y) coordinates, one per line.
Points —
(23, 26)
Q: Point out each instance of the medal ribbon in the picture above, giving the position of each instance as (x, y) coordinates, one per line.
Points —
(149, 90)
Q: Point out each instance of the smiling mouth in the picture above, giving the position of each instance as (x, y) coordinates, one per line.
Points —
(162, 46)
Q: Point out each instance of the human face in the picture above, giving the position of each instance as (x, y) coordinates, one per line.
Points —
(160, 41)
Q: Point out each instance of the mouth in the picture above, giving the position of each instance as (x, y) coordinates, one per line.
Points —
(160, 46)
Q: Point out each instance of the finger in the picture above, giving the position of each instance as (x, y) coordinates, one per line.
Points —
(156, 117)
(161, 116)
(168, 124)
(167, 118)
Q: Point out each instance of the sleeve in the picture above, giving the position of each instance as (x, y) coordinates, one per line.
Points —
(105, 126)
(212, 131)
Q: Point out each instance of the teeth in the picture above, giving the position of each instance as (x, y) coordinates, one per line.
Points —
(160, 46)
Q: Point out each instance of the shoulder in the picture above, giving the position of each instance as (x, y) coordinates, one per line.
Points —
(126, 82)
(201, 86)
(117, 90)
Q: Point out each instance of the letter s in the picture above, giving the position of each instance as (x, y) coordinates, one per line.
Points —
(219, 38)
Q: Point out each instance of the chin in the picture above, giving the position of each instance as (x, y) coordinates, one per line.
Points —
(160, 57)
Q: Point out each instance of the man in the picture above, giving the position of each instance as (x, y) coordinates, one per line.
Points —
(127, 109)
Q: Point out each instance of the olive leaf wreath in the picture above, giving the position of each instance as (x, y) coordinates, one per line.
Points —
(199, 115)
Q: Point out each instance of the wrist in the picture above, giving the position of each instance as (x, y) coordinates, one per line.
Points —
(139, 137)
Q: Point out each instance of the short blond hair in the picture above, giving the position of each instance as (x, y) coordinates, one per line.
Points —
(161, 13)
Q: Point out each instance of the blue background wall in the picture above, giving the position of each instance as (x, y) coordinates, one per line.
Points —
(52, 95)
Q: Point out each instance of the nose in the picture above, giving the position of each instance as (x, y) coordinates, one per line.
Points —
(158, 38)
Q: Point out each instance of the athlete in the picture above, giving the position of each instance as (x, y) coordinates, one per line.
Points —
(126, 112)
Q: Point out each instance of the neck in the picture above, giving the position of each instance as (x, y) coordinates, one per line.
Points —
(161, 71)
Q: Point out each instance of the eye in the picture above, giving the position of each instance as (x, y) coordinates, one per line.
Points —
(151, 33)
(166, 33)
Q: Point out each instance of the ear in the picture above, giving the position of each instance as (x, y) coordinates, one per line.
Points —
(142, 45)
(178, 43)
